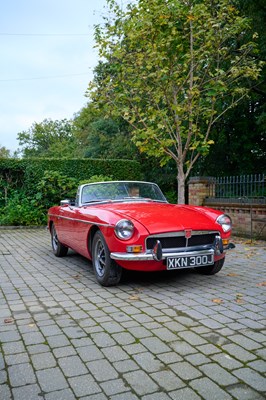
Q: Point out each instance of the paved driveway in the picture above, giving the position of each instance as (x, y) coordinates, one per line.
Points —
(154, 337)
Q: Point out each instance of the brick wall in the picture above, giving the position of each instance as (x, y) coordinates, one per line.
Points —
(198, 190)
(244, 216)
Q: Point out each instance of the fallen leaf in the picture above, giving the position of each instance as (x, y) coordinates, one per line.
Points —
(32, 325)
(217, 301)
(9, 321)
(232, 274)
(134, 297)
(261, 283)
(239, 298)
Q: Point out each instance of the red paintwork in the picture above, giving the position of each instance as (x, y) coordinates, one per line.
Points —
(74, 225)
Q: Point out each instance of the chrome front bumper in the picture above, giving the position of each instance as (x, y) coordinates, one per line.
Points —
(149, 256)
(216, 249)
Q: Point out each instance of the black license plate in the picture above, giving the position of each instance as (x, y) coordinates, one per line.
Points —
(190, 261)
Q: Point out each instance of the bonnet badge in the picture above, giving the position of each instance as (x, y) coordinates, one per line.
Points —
(188, 233)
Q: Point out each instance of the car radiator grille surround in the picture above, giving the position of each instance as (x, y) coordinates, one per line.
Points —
(173, 242)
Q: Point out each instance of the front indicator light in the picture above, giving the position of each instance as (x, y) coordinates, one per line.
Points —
(134, 249)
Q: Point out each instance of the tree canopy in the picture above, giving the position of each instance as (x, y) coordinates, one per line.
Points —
(103, 137)
(4, 152)
(240, 145)
(48, 139)
(173, 69)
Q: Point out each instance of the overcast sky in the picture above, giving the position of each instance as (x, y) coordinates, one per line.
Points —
(47, 58)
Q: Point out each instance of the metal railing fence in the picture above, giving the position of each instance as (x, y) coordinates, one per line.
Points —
(238, 187)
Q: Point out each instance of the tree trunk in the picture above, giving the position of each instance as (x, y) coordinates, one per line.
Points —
(180, 184)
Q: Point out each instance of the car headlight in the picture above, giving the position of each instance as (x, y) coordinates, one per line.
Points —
(225, 221)
(124, 229)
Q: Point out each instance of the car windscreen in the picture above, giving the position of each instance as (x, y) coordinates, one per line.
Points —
(105, 191)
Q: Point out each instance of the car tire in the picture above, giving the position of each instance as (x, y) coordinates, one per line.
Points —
(59, 249)
(211, 269)
(107, 272)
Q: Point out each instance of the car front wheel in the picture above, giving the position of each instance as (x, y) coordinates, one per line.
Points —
(58, 248)
(107, 272)
(211, 269)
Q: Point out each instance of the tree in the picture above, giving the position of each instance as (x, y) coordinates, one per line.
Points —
(242, 130)
(103, 137)
(240, 146)
(49, 139)
(173, 68)
(108, 140)
(4, 152)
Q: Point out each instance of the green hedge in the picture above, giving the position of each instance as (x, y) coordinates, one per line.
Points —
(26, 173)
(28, 187)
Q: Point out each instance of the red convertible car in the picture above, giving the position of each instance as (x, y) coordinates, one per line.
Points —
(126, 224)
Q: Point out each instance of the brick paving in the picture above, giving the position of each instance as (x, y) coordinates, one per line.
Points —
(165, 336)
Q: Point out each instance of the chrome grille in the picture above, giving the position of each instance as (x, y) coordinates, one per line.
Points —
(176, 241)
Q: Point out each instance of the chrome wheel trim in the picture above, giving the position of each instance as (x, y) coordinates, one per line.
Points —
(100, 258)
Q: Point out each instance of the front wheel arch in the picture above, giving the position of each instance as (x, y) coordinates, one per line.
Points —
(107, 272)
(59, 249)
(93, 230)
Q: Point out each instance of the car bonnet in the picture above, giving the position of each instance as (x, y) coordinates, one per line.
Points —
(158, 217)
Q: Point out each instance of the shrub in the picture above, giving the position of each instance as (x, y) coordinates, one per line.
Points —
(171, 196)
(96, 178)
(53, 187)
(21, 210)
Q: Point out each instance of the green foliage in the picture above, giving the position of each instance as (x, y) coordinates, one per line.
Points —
(27, 173)
(240, 147)
(171, 196)
(4, 152)
(54, 187)
(28, 187)
(49, 139)
(22, 210)
(239, 136)
(11, 177)
(103, 137)
(110, 138)
(172, 70)
(96, 178)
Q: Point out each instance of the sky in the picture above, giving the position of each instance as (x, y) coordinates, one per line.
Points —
(47, 59)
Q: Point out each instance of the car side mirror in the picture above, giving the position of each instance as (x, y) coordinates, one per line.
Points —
(66, 202)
